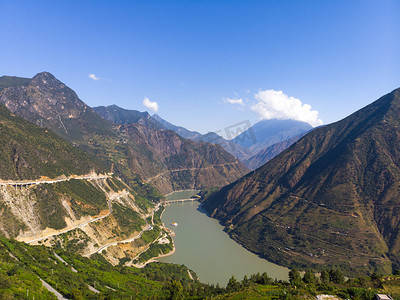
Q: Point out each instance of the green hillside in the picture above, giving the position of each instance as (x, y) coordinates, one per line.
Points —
(28, 151)
(23, 266)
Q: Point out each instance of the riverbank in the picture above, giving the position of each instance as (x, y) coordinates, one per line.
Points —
(169, 233)
(154, 259)
(201, 242)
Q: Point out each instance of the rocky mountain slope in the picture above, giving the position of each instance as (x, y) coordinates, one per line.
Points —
(47, 102)
(7, 81)
(332, 198)
(187, 164)
(122, 116)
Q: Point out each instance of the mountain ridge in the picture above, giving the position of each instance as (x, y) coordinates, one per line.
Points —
(345, 172)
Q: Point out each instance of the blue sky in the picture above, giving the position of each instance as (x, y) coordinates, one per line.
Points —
(210, 64)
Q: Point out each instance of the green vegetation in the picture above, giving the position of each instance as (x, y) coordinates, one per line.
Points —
(157, 216)
(155, 250)
(74, 241)
(22, 265)
(115, 184)
(150, 235)
(10, 223)
(84, 196)
(50, 208)
(28, 151)
(127, 219)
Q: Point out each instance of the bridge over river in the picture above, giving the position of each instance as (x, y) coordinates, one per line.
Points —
(180, 200)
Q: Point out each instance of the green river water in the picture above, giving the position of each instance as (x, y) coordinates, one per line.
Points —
(203, 246)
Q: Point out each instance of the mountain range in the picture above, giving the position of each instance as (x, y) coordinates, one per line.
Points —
(332, 198)
(47, 102)
(253, 147)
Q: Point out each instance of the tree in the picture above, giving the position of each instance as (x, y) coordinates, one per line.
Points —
(233, 285)
(245, 281)
(294, 277)
(336, 276)
(255, 278)
(325, 277)
(265, 279)
(309, 277)
(175, 290)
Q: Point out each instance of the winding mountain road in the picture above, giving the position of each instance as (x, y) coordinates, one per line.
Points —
(38, 181)
(84, 223)
(131, 239)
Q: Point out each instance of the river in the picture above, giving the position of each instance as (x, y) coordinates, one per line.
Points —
(203, 246)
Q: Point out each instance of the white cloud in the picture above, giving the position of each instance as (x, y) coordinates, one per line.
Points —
(92, 76)
(233, 101)
(153, 106)
(276, 105)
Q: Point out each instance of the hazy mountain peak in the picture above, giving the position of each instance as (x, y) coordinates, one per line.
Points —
(268, 132)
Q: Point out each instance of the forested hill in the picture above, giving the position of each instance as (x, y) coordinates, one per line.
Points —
(29, 152)
(332, 198)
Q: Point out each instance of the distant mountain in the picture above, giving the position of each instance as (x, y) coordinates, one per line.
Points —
(242, 153)
(183, 132)
(47, 102)
(172, 149)
(121, 116)
(268, 132)
(332, 198)
(270, 152)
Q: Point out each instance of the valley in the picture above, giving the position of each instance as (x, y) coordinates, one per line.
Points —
(93, 185)
(200, 150)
